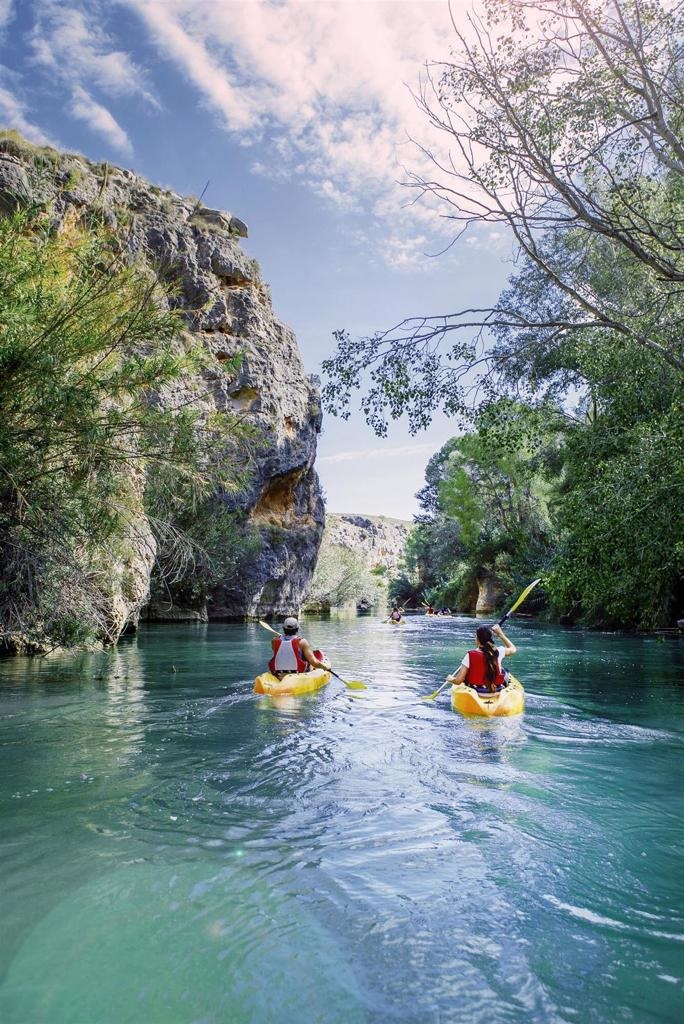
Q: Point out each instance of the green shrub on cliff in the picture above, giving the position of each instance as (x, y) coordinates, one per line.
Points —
(86, 343)
(342, 577)
(201, 540)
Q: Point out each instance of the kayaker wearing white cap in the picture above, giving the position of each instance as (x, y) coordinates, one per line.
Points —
(292, 653)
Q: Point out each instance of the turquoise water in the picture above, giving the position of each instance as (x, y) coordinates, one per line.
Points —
(176, 849)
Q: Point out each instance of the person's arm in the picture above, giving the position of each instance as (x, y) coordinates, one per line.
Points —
(305, 648)
(510, 648)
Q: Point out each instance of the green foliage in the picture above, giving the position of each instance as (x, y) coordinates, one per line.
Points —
(595, 502)
(617, 503)
(74, 176)
(621, 512)
(341, 577)
(495, 483)
(568, 122)
(201, 540)
(458, 589)
(488, 492)
(433, 548)
(86, 342)
(201, 548)
(403, 590)
(14, 142)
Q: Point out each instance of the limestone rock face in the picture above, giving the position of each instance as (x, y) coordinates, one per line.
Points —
(489, 594)
(228, 309)
(128, 568)
(379, 539)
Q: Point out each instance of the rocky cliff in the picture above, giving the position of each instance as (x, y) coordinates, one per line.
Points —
(228, 309)
(379, 539)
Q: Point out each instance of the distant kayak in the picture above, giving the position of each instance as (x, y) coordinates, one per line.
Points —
(394, 622)
(509, 701)
(292, 684)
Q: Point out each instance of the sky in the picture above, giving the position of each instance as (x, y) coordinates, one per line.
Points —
(301, 116)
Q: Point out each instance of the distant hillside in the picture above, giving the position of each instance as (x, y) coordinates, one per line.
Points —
(358, 557)
(379, 539)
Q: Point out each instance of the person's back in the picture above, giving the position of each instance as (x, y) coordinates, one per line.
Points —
(481, 668)
(292, 653)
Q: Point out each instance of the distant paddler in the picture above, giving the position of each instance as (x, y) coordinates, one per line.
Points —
(397, 617)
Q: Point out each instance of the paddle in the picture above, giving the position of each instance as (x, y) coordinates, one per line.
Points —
(352, 684)
(510, 611)
(433, 695)
(520, 600)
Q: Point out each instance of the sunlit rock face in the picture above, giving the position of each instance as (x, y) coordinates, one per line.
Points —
(490, 594)
(380, 539)
(227, 308)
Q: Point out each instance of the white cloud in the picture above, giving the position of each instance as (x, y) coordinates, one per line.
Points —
(69, 41)
(13, 113)
(6, 12)
(364, 454)
(100, 120)
(324, 87)
(193, 56)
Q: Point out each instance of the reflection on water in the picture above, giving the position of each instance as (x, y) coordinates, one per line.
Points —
(177, 849)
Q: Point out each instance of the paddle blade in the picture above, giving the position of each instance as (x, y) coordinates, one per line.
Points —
(520, 600)
(524, 594)
(269, 628)
(352, 684)
(432, 696)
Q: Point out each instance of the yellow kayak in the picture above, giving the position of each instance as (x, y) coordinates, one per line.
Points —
(292, 684)
(510, 701)
(394, 622)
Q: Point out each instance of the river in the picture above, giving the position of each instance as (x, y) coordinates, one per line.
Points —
(176, 849)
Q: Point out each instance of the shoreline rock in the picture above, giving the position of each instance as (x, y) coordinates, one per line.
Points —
(227, 308)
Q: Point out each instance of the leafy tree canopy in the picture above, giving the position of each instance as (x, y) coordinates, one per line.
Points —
(565, 126)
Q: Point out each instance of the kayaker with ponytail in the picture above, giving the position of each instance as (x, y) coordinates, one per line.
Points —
(292, 653)
(482, 668)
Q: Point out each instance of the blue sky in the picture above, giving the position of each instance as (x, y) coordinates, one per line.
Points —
(299, 114)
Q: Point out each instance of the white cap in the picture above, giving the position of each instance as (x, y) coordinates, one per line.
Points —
(291, 622)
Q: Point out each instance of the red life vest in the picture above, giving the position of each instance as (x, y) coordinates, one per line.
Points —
(477, 670)
(286, 663)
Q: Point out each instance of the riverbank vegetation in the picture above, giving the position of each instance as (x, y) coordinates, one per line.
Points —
(99, 478)
(342, 577)
(567, 130)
